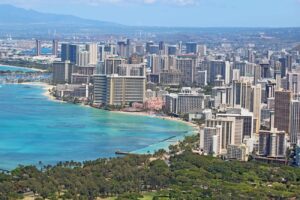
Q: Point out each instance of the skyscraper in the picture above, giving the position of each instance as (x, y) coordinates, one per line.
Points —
(161, 45)
(189, 101)
(62, 72)
(73, 53)
(125, 87)
(217, 67)
(251, 56)
(283, 67)
(295, 122)
(55, 47)
(38, 48)
(210, 140)
(201, 50)
(129, 48)
(272, 143)
(65, 50)
(172, 50)
(282, 110)
(256, 105)
(83, 58)
(228, 130)
(111, 65)
(289, 62)
(187, 66)
(148, 44)
(293, 79)
(92, 49)
(191, 47)
(69, 52)
(122, 49)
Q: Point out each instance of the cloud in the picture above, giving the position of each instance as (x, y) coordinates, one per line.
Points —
(171, 2)
(30, 3)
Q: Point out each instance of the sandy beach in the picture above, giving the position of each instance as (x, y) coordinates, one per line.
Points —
(156, 116)
(48, 87)
(159, 145)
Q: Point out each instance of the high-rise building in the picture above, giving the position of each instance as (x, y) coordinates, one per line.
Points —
(246, 68)
(69, 52)
(248, 96)
(139, 49)
(283, 110)
(272, 143)
(289, 62)
(228, 131)
(55, 47)
(201, 50)
(295, 122)
(219, 68)
(210, 140)
(251, 56)
(111, 65)
(256, 106)
(129, 48)
(191, 48)
(38, 47)
(189, 101)
(155, 63)
(92, 49)
(121, 89)
(122, 49)
(65, 51)
(172, 50)
(265, 69)
(187, 66)
(135, 59)
(73, 53)
(148, 44)
(201, 78)
(235, 75)
(293, 79)
(62, 72)
(170, 77)
(222, 96)
(101, 53)
(171, 103)
(83, 58)
(242, 91)
(247, 122)
(153, 49)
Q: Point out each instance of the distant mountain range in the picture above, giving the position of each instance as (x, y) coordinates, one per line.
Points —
(11, 15)
(24, 23)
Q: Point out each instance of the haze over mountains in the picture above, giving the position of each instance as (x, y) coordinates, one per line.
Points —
(11, 15)
(23, 23)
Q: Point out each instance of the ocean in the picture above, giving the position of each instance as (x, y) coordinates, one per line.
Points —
(34, 128)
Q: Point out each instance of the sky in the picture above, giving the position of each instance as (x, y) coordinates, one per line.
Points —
(180, 13)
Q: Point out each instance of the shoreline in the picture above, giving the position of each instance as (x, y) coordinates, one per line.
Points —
(146, 114)
(46, 88)
(150, 148)
(33, 69)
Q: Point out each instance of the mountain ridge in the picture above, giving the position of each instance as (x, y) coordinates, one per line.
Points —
(12, 15)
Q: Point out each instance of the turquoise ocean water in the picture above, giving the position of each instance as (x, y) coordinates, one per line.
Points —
(11, 68)
(34, 128)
